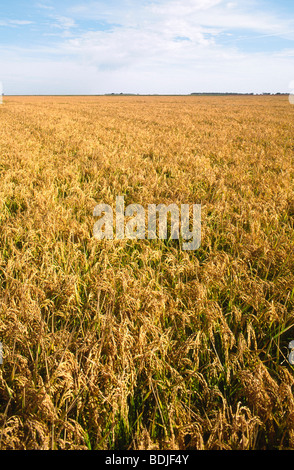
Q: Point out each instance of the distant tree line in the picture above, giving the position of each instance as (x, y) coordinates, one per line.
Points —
(234, 94)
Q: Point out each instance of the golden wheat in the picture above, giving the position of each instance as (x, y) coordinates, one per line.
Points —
(137, 344)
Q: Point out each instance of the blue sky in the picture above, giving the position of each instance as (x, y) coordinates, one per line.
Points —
(151, 46)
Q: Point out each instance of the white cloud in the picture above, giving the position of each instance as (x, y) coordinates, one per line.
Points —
(231, 5)
(149, 35)
(14, 23)
(63, 22)
(44, 6)
(168, 46)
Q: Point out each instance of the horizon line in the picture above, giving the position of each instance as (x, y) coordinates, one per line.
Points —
(150, 94)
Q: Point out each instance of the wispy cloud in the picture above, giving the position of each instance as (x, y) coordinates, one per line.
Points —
(172, 46)
(150, 33)
(63, 22)
(44, 6)
(13, 23)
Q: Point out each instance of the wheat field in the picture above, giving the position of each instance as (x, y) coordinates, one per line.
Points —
(137, 344)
